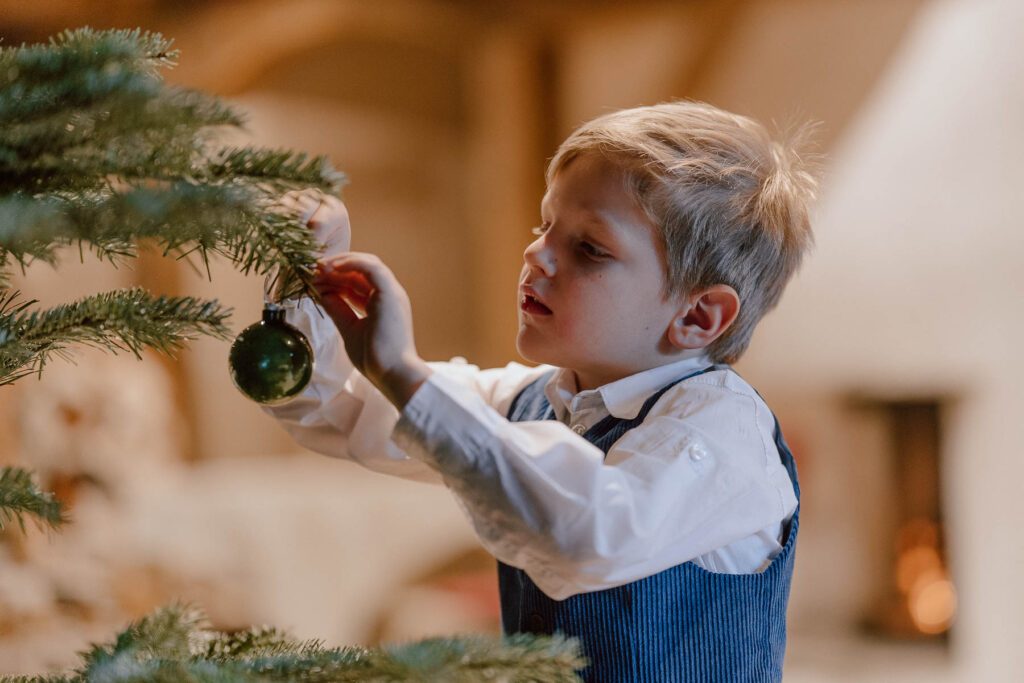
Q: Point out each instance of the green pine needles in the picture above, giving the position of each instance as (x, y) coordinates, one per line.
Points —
(123, 320)
(20, 496)
(96, 150)
(176, 645)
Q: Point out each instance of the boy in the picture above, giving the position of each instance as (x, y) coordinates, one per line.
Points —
(636, 492)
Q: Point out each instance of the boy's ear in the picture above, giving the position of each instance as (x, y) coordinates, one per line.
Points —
(704, 317)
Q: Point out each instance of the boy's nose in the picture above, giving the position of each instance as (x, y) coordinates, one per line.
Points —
(538, 256)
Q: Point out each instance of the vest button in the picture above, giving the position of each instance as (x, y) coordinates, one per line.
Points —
(535, 624)
(579, 429)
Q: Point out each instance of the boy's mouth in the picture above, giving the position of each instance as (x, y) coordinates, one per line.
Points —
(531, 304)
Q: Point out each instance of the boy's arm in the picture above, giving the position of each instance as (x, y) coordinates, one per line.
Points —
(341, 414)
(543, 498)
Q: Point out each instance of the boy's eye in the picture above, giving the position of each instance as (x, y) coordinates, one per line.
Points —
(592, 251)
(586, 247)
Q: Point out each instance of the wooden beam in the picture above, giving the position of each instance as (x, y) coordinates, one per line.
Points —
(227, 46)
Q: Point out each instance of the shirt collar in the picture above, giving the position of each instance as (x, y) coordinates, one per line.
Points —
(622, 398)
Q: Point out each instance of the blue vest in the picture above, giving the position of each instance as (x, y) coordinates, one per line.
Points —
(682, 624)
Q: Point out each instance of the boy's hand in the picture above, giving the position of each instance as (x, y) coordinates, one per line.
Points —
(374, 316)
(326, 216)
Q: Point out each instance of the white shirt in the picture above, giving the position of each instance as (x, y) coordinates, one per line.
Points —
(700, 479)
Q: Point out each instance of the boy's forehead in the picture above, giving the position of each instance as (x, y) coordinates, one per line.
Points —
(605, 205)
(590, 182)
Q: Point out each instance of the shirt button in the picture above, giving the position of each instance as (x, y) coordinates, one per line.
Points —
(579, 429)
(697, 452)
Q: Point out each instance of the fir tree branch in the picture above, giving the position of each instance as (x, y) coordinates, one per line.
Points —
(282, 169)
(259, 641)
(276, 240)
(181, 216)
(174, 632)
(254, 231)
(251, 229)
(121, 320)
(547, 659)
(73, 159)
(20, 497)
(163, 135)
(90, 105)
(78, 67)
(174, 644)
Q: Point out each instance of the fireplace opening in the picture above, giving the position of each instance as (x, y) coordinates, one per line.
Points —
(917, 598)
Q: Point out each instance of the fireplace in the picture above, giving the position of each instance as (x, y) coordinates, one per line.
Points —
(917, 598)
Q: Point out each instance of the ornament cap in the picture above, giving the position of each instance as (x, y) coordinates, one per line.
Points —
(272, 313)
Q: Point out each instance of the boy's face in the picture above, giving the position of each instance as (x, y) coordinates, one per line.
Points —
(591, 292)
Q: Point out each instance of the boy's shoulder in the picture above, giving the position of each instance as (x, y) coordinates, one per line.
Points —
(719, 389)
(715, 414)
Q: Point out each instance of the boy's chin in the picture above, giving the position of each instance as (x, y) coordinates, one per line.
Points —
(533, 352)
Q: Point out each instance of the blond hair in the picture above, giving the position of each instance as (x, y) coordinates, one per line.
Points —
(731, 203)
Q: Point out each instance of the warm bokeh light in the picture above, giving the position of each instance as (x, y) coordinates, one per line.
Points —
(932, 603)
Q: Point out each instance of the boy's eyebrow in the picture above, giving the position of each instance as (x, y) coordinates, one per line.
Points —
(590, 217)
(605, 229)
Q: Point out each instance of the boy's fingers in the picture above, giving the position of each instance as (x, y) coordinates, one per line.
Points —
(378, 275)
(343, 279)
(328, 212)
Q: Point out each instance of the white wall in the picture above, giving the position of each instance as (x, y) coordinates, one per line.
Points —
(916, 288)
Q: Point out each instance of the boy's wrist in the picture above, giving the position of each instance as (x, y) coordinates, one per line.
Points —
(399, 383)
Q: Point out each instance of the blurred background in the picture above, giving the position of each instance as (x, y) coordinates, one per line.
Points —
(891, 361)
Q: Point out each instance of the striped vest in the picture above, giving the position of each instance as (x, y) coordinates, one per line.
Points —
(682, 624)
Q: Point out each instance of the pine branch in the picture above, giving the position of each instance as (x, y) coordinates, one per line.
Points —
(21, 497)
(276, 239)
(179, 215)
(251, 229)
(282, 170)
(259, 641)
(90, 105)
(121, 320)
(548, 659)
(170, 633)
(174, 644)
(78, 67)
(182, 216)
(164, 136)
(73, 160)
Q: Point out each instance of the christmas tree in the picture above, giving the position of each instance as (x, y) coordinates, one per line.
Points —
(96, 151)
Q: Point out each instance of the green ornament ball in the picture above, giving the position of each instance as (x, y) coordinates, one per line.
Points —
(271, 361)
